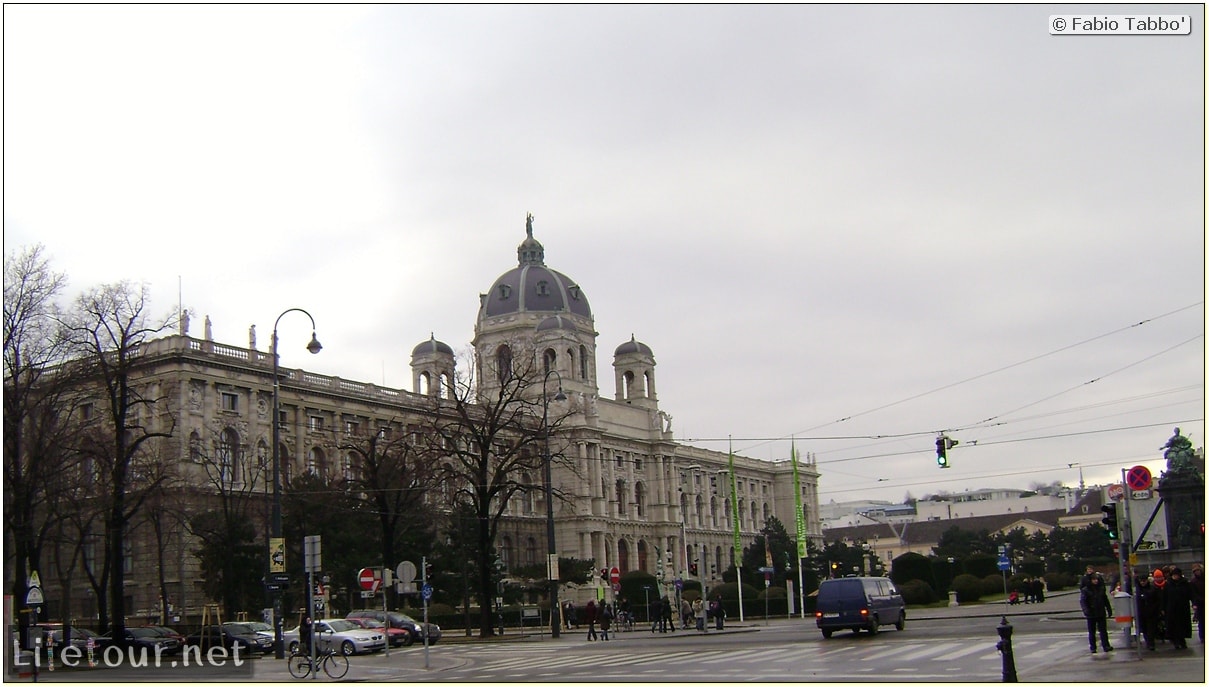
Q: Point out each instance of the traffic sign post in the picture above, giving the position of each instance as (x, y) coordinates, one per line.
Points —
(1138, 478)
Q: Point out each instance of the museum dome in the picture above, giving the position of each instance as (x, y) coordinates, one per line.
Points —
(532, 287)
(431, 346)
(633, 346)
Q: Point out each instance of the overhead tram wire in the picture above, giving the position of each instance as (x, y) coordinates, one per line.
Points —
(975, 377)
(1091, 381)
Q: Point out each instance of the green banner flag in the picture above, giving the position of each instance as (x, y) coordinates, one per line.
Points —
(734, 498)
(799, 518)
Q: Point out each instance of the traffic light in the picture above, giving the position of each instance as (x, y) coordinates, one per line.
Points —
(943, 444)
(1109, 521)
(692, 569)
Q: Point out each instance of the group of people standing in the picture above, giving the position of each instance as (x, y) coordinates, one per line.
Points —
(605, 614)
(1167, 605)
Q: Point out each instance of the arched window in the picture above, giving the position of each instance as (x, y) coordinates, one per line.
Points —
(503, 363)
(642, 555)
(351, 463)
(316, 462)
(529, 496)
(623, 556)
(549, 360)
(583, 362)
(713, 511)
(700, 519)
(621, 497)
(627, 385)
(755, 519)
(530, 551)
(639, 499)
(425, 384)
(228, 457)
(506, 553)
(570, 361)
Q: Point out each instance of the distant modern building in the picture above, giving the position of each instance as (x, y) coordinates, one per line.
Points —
(634, 490)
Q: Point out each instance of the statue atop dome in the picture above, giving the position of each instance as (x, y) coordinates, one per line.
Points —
(529, 225)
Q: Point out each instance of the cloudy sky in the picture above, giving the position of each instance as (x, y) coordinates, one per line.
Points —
(854, 226)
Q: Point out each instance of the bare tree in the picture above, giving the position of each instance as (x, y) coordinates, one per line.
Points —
(392, 474)
(230, 558)
(107, 330)
(486, 439)
(36, 411)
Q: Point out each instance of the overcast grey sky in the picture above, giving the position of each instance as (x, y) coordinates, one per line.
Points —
(904, 216)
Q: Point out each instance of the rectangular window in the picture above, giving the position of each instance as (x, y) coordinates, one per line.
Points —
(86, 411)
(315, 424)
(350, 427)
(230, 402)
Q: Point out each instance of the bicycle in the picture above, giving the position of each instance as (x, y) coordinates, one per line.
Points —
(334, 663)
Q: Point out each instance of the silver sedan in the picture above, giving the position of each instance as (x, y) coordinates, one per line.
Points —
(340, 635)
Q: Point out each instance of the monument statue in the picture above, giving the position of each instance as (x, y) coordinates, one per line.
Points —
(529, 224)
(1178, 452)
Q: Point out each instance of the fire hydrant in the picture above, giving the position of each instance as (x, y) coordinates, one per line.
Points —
(1005, 647)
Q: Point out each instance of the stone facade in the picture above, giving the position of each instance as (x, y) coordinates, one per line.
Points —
(634, 489)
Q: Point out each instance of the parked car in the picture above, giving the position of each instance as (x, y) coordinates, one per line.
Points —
(151, 640)
(395, 636)
(79, 638)
(167, 632)
(340, 635)
(230, 636)
(859, 603)
(402, 621)
(256, 626)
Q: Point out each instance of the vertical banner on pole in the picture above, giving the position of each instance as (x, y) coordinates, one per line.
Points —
(800, 524)
(734, 498)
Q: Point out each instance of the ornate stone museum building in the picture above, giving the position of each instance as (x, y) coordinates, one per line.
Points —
(635, 490)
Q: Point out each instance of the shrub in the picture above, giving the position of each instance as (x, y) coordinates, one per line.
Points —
(981, 565)
(968, 588)
(917, 593)
(912, 566)
(1056, 582)
(992, 585)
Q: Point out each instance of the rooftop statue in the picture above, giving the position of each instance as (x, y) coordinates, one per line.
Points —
(1179, 453)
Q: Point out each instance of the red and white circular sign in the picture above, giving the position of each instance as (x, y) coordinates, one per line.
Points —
(366, 579)
(615, 576)
(1116, 492)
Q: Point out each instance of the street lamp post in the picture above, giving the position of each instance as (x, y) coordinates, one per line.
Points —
(551, 562)
(314, 347)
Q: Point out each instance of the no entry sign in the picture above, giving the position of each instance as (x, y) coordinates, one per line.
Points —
(367, 580)
(1138, 477)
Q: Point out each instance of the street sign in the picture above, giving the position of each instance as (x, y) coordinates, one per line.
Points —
(1138, 477)
(1116, 492)
(279, 578)
(1141, 495)
(426, 591)
(616, 586)
(767, 570)
(34, 596)
(368, 580)
(367, 595)
(1005, 563)
(614, 576)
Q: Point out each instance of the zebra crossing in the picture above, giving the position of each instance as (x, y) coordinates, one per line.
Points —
(908, 659)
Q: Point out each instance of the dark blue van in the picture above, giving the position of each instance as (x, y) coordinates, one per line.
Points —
(859, 603)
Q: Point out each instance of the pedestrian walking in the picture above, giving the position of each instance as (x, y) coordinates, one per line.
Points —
(699, 614)
(606, 619)
(1150, 608)
(686, 613)
(590, 618)
(1177, 609)
(656, 612)
(1197, 584)
(669, 622)
(1093, 599)
(1039, 590)
(716, 610)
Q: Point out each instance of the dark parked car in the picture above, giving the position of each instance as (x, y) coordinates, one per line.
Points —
(402, 620)
(859, 603)
(229, 636)
(79, 639)
(149, 639)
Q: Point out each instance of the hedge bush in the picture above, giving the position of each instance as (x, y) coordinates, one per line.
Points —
(917, 593)
(992, 585)
(968, 588)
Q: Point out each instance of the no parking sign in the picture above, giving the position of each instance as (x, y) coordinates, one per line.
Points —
(1138, 478)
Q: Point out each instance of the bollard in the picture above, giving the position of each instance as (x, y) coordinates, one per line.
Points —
(1005, 647)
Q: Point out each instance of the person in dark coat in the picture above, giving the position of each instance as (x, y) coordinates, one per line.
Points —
(1177, 609)
(1093, 599)
(590, 619)
(668, 621)
(656, 611)
(606, 619)
(1197, 583)
(1039, 590)
(1150, 607)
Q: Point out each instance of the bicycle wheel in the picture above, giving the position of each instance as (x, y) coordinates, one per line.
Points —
(335, 665)
(299, 665)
